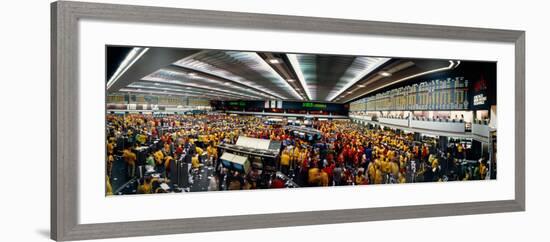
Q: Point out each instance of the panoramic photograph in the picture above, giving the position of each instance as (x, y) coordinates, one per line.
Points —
(196, 120)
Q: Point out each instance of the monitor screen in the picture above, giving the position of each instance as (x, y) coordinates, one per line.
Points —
(238, 167)
(226, 163)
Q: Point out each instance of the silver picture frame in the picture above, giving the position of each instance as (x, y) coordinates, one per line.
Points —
(65, 112)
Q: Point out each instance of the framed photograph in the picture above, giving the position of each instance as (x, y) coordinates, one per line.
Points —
(168, 120)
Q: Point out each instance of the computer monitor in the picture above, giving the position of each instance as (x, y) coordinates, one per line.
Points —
(238, 167)
(226, 164)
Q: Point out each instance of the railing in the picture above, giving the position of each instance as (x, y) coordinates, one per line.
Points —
(439, 125)
(362, 117)
(394, 121)
(479, 129)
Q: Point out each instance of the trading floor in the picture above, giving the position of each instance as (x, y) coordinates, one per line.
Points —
(184, 153)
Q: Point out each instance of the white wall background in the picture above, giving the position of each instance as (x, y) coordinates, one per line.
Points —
(25, 130)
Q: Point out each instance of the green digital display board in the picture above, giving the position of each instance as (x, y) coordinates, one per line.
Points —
(314, 105)
(238, 103)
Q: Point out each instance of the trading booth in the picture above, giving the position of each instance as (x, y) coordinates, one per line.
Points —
(235, 162)
(305, 133)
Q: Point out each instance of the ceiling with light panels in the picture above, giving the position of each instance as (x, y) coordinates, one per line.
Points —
(243, 75)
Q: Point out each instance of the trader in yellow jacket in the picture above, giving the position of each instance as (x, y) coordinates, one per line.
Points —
(371, 170)
(378, 177)
(314, 176)
(199, 150)
(295, 155)
(108, 187)
(141, 138)
(159, 157)
(130, 159)
(212, 152)
(167, 161)
(401, 178)
(324, 179)
(146, 187)
(110, 147)
(360, 178)
(195, 161)
(285, 161)
(386, 165)
(394, 168)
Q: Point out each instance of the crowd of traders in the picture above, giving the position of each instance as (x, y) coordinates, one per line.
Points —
(345, 153)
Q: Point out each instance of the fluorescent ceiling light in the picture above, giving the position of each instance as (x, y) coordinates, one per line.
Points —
(169, 76)
(274, 61)
(297, 69)
(189, 86)
(450, 66)
(457, 63)
(191, 63)
(174, 90)
(290, 80)
(385, 73)
(256, 63)
(361, 67)
(165, 94)
(128, 61)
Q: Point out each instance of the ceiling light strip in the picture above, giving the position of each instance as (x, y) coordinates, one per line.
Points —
(194, 64)
(371, 64)
(133, 90)
(176, 94)
(275, 74)
(175, 77)
(181, 83)
(128, 61)
(255, 62)
(297, 69)
(178, 89)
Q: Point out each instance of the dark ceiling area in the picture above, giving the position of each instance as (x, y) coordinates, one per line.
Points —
(244, 75)
(115, 56)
